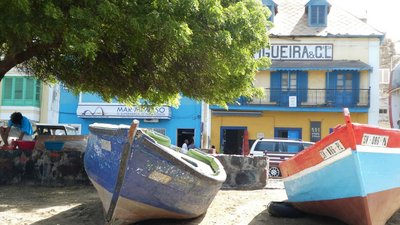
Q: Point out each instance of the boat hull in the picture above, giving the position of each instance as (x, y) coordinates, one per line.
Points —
(373, 209)
(358, 184)
(130, 211)
(158, 183)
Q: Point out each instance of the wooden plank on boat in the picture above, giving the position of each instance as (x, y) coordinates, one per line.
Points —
(121, 171)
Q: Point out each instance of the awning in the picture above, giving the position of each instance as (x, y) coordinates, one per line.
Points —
(318, 65)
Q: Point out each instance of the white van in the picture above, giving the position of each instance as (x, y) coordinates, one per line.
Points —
(277, 150)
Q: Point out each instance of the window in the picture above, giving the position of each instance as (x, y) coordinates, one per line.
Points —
(266, 146)
(289, 81)
(318, 15)
(343, 88)
(293, 147)
(382, 111)
(344, 82)
(317, 11)
(384, 76)
(272, 6)
(21, 91)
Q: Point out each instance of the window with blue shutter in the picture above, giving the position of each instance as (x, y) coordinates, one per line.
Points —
(289, 83)
(272, 6)
(318, 15)
(356, 87)
(330, 87)
(302, 85)
(275, 86)
(343, 88)
(20, 91)
(317, 12)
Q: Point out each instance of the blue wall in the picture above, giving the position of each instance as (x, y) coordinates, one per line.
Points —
(187, 116)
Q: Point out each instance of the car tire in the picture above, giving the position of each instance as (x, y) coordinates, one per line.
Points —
(274, 171)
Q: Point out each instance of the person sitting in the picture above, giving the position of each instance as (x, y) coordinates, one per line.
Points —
(20, 122)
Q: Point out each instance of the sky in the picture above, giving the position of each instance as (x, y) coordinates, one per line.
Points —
(384, 15)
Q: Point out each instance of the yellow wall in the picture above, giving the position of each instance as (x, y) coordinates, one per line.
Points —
(364, 80)
(270, 120)
(316, 79)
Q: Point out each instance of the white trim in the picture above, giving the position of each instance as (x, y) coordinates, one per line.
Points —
(371, 149)
(374, 80)
(320, 165)
(345, 153)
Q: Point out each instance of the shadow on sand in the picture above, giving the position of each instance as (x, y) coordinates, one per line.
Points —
(92, 214)
(265, 218)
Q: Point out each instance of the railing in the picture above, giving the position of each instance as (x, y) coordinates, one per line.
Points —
(312, 98)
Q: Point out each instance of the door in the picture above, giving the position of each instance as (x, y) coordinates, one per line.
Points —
(185, 134)
(289, 87)
(344, 89)
(232, 140)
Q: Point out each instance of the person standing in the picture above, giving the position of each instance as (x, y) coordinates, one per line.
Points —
(185, 146)
(213, 150)
(22, 123)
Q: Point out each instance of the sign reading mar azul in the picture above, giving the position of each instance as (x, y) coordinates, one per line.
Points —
(297, 52)
(122, 111)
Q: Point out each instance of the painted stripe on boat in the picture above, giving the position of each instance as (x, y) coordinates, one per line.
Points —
(361, 148)
(359, 174)
(347, 152)
(321, 165)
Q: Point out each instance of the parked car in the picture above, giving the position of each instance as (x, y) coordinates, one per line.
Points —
(277, 150)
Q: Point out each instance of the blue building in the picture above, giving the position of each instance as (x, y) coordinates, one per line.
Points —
(179, 124)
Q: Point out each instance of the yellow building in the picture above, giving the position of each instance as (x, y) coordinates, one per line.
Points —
(323, 60)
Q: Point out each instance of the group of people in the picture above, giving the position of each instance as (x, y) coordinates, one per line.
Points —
(23, 125)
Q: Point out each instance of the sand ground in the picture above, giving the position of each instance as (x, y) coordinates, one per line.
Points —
(22, 205)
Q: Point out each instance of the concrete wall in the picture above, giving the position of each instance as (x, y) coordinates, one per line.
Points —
(42, 167)
(244, 172)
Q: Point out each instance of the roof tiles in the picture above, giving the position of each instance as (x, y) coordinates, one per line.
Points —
(291, 20)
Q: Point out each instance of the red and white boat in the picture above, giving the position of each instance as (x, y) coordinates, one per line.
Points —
(353, 175)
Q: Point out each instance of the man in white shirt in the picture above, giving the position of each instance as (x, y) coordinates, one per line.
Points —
(185, 146)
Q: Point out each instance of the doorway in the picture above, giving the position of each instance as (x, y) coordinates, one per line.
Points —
(185, 134)
(232, 140)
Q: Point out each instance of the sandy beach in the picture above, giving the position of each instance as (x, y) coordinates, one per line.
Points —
(23, 205)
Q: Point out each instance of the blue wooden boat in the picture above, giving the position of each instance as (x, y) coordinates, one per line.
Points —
(137, 178)
(352, 175)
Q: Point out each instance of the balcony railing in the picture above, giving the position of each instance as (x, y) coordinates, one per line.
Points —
(312, 98)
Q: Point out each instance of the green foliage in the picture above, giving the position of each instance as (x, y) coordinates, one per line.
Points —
(140, 49)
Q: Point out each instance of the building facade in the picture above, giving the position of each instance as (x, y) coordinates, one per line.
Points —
(35, 100)
(185, 122)
(323, 59)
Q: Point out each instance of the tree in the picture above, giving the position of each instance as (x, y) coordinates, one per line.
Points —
(388, 54)
(138, 49)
